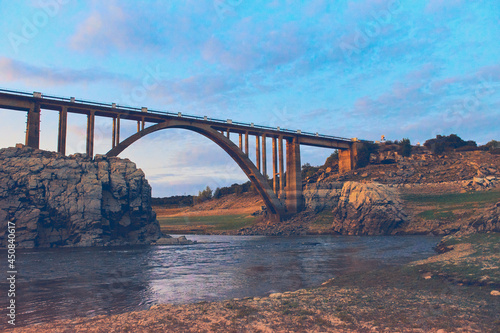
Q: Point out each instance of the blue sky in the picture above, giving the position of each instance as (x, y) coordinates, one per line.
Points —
(347, 68)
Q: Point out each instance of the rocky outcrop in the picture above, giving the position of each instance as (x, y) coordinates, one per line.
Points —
(322, 195)
(488, 221)
(74, 201)
(368, 209)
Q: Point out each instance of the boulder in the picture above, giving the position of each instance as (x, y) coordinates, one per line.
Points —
(368, 209)
(65, 201)
(322, 195)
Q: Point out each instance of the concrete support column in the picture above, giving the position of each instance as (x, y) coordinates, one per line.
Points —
(90, 134)
(348, 157)
(264, 156)
(241, 142)
(117, 130)
(257, 152)
(246, 143)
(33, 127)
(63, 124)
(113, 137)
(282, 167)
(294, 199)
(138, 125)
(228, 134)
(143, 124)
(275, 167)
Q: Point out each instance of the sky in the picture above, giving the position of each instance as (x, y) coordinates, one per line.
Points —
(403, 69)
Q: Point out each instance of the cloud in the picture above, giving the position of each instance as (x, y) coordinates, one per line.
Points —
(436, 6)
(13, 70)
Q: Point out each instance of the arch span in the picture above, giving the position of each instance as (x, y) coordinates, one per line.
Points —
(273, 204)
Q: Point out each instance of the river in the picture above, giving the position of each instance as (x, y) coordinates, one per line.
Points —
(70, 282)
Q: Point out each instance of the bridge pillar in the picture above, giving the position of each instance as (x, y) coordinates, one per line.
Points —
(117, 130)
(282, 168)
(348, 158)
(33, 127)
(294, 198)
(113, 136)
(63, 124)
(246, 143)
(257, 152)
(264, 156)
(241, 142)
(275, 167)
(90, 133)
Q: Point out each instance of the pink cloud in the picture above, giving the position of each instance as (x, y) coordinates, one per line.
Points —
(102, 28)
(434, 6)
(13, 70)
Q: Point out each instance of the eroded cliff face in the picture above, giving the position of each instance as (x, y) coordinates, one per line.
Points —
(368, 209)
(487, 221)
(358, 208)
(74, 201)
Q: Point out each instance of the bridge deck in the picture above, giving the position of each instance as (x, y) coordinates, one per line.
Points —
(23, 101)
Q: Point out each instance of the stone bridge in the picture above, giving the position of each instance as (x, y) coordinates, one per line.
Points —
(282, 199)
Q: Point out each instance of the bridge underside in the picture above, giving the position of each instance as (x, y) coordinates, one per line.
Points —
(282, 198)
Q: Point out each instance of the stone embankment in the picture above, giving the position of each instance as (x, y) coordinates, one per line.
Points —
(74, 201)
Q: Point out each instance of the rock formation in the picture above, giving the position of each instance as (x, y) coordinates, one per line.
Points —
(322, 195)
(368, 209)
(358, 208)
(74, 201)
(488, 221)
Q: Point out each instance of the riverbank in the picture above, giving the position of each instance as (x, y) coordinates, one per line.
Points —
(424, 296)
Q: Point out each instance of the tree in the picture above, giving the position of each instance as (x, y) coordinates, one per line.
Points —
(405, 147)
(364, 153)
(204, 195)
(447, 143)
(332, 159)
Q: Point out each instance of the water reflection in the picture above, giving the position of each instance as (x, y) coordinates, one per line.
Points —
(65, 283)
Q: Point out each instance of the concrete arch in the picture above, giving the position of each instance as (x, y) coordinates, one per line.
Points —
(273, 204)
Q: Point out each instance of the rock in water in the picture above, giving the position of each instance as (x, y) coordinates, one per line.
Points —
(56, 200)
(368, 209)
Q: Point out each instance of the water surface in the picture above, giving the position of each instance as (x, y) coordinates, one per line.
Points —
(65, 283)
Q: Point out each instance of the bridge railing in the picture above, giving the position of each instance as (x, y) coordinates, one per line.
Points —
(135, 109)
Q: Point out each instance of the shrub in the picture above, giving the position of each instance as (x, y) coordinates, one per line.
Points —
(308, 170)
(332, 160)
(447, 143)
(405, 147)
(364, 153)
(491, 146)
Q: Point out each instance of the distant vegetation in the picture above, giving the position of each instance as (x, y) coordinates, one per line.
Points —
(438, 145)
(207, 194)
(443, 144)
